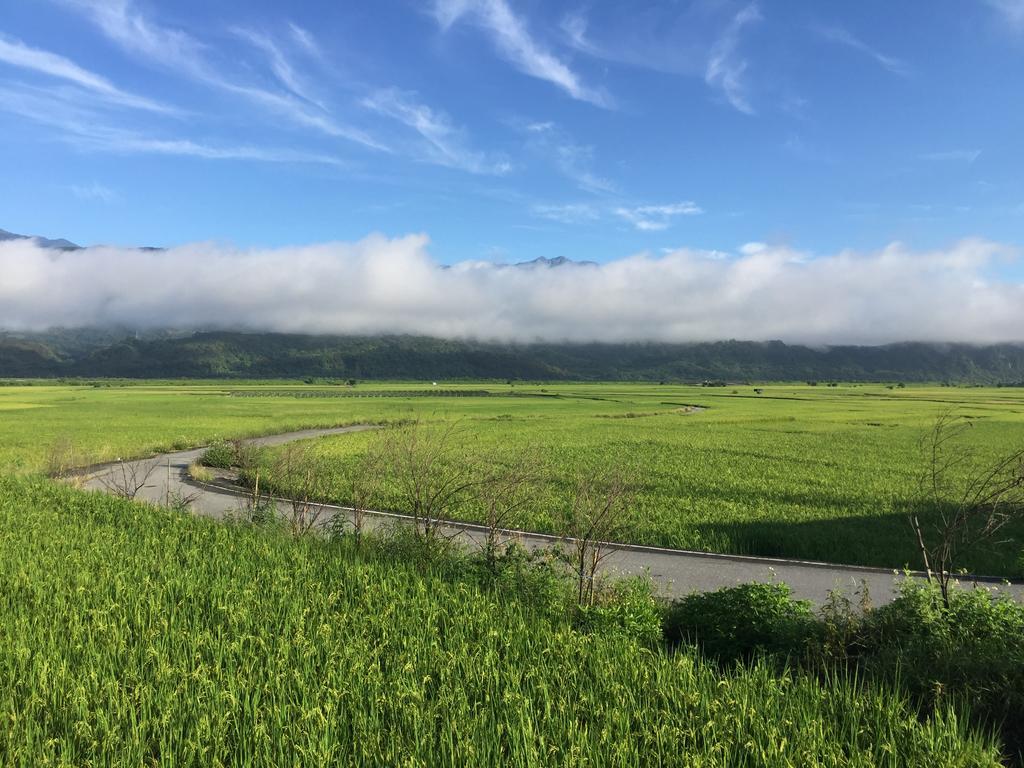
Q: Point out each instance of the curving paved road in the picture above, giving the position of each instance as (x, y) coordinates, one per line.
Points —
(676, 572)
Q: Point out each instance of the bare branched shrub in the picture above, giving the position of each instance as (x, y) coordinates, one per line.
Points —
(295, 468)
(504, 492)
(364, 483)
(430, 473)
(962, 500)
(175, 499)
(595, 517)
(256, 506)
(127, 478)
(60, 458)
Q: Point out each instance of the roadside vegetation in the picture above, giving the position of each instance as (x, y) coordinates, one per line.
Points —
(136, 635)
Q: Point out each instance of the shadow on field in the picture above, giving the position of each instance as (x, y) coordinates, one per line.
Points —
(884, 541)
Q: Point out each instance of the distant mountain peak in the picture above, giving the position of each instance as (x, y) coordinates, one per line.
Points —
(558, 261)
(59, 244)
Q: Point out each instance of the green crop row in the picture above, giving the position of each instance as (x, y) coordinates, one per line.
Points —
(136, 636)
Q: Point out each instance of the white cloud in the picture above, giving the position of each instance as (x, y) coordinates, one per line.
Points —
(1012, 11)
(94, 191)
(957, 155)
(279, 65)
(393, 285)
(443, 142)
(654, 218)
(574, 25)
(844, 37)
(17, 54)
(514, 41)
(178, 51)
(130, 29)
(673, 38)
(83, 129)
(726, 68)
(569, 213)
(121, 142)
(574, 161)
(305, 39)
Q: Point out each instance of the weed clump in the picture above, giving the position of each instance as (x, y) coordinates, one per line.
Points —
(740, 622)
(220, 455)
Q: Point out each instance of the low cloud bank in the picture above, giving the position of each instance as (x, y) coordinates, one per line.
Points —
(381, 285)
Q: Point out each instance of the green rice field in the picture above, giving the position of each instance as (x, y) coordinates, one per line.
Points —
(131, 635)
(137, 636)
(795, 471)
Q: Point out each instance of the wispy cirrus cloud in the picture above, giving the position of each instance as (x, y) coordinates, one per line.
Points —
(279, 64)
(655, 218)
(133, 31)
(94, 191)
(83, 128)
(443, 142)
(567, 213)
(574, 25)
(848, 39)
(954, 155)
(573, 160)
(726, 66)
(684, 39)
(126, 142)
(513, 40)
(305, 40)
(645, 218)
(1011, 11)
(18, 54)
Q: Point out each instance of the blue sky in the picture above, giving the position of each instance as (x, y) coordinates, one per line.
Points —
(511, 129)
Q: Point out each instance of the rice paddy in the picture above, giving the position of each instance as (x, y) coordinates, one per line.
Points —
(136, 636)
(815, 472)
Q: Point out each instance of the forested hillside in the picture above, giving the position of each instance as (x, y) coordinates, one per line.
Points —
(94, 353)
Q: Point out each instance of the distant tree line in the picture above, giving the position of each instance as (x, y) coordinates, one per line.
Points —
(347, 359)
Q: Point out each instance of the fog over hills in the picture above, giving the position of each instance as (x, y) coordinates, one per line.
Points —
(383, 307)
(395, 286)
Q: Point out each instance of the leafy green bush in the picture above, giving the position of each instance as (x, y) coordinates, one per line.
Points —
(972, 653)
(629, 608)
(220, 455)
(969, 657)
(744, 621)
(537, 577)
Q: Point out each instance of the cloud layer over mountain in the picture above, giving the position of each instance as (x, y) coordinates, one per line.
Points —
(382, 285)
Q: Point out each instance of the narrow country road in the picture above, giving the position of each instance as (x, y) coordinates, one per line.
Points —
(675, 572)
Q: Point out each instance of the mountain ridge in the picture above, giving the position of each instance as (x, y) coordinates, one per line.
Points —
(94, 353)
(59, 244)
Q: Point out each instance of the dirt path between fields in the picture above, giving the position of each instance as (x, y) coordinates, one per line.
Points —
(675, 572)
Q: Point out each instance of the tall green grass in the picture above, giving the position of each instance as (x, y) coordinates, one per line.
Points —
(136, 636)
